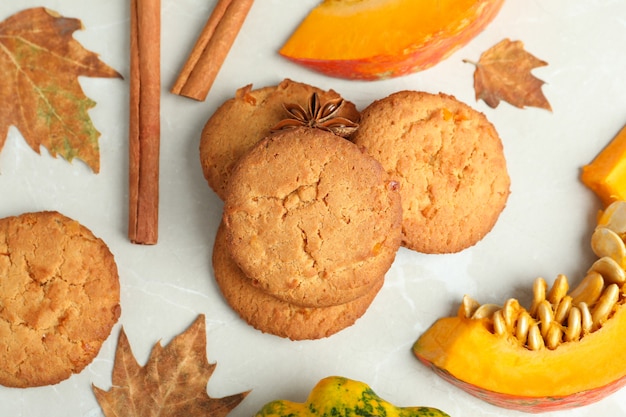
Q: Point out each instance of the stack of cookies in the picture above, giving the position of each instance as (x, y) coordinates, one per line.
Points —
(311, 225)
(312, 221)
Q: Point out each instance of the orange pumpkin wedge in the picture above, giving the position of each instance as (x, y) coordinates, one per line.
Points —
(566, 350)
(606, 174)
(465, 353)
(378, 39)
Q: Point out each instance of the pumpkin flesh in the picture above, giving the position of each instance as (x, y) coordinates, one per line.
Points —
(497, 369)
(606, 174)
(372, 39)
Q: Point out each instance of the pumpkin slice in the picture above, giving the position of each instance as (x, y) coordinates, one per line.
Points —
(606, 174)
(466, 353)
(566, 350)
(377, 39)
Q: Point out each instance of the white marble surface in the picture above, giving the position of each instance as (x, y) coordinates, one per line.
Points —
(543, 231)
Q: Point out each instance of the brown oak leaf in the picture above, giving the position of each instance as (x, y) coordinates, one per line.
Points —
(503, 72)
(172, 383)
(40, 63)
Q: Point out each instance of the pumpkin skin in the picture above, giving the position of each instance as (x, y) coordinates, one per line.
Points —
(606, 174)
(378, 39)
(336, 396)
(497, 370)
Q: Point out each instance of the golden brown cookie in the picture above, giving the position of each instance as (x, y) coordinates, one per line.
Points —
(312, 218)
(271, 315)
(448, 161)
(59, 298)
(248, 117)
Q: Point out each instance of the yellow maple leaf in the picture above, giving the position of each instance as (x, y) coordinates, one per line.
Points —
(40, 63)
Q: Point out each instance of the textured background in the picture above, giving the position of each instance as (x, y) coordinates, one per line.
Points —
(544, 230)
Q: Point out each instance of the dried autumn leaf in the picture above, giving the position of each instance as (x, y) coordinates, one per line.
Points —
(503, 72)
(40, 63)
(173, 382)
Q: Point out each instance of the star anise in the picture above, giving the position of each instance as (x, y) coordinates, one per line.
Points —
(319, 116)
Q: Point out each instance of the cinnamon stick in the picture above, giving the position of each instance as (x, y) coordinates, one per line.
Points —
(144, 124)
(211, 48)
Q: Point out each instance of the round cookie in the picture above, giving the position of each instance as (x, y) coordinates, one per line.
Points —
(313, 219)
(243, 120)
(271, 315)
(448, 161)
(59, 298)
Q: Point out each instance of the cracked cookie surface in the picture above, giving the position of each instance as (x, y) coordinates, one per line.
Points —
(311, 218)
(268, 314)
(448, 161)
(59, 298)
(243, 120)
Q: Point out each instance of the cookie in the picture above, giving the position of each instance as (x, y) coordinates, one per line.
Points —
(248, 117)
(271, 315)
(59, 298)
(448, 161)
(313, 219)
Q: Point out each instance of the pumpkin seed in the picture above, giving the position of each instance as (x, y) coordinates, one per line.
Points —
(610, 270)
(589, 289)
(510, 311)
(562, 310)
(585, 318)
(485, 311)
(539, 294)
(535, 340)
(574, 326)
(554, 336)
(468, 306)
(605, 242)
(523, 324)
(559, 289)
(499, 326)
(545, 316)
(614, 217)
(604, 306)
